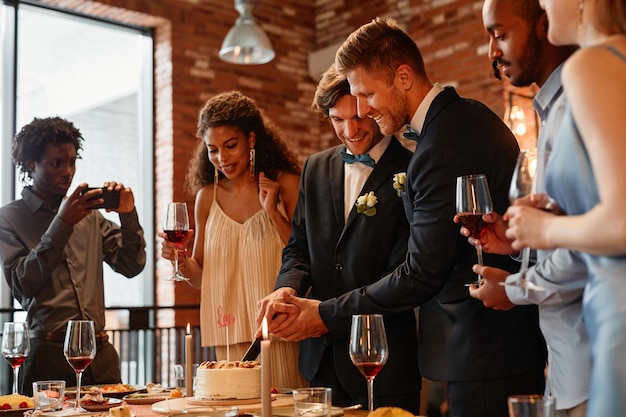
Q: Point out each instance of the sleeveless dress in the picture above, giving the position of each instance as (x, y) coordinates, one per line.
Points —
(241, 263)
(571, 181)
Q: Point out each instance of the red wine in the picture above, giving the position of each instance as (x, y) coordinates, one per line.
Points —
(369, 369)
(79, 363)
(175, 236)
(473, 222)
(15, 360)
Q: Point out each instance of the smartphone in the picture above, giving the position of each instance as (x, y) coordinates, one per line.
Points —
(111, 198)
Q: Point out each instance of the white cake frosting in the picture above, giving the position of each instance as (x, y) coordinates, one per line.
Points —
(228, 380)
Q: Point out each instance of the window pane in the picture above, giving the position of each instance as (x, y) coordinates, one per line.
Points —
(93, 75)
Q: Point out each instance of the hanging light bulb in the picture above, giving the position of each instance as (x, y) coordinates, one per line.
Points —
(246, 43)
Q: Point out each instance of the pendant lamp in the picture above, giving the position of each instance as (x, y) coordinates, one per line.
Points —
(246, 43)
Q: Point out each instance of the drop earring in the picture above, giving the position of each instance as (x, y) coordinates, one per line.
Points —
(581, 8)
(252, 162)
(216, 176)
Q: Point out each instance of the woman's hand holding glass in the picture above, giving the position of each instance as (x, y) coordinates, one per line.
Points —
(169, 249)
(528, 227)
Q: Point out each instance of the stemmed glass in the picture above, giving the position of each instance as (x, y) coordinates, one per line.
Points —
(176, 227)
(473, 199)
(79, 349)
(15, 347)
(528, 183)
(368, 349)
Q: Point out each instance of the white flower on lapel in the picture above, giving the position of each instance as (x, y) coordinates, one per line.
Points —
(399, 180)
(366, 204)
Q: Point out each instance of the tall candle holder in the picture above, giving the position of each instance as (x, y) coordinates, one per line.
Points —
(188, 362)
(266, 373)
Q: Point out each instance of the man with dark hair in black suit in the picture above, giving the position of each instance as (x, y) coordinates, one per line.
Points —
(331, 249)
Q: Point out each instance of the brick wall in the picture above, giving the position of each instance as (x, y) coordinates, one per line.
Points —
(189, 33)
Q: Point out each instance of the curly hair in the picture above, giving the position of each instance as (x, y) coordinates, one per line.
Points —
(31, 142)
(236, 110)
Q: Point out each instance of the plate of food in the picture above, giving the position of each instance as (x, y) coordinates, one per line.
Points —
(108, 390)
(147, 397)
(108, 403)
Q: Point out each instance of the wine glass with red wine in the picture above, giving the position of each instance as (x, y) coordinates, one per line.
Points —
(79, 349)
(15, 347)
(368, 349)
(176, 227)
(473, 199)
(528, 187)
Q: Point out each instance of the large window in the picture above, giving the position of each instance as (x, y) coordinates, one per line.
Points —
(99, 76)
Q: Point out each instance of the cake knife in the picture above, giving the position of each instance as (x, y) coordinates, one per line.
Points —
(253, 351)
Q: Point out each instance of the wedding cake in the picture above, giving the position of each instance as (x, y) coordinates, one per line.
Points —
(223, 380)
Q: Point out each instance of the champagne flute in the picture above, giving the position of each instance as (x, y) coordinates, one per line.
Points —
(368, 349)
(473, 199)
(79, 349)
(176, 227)
(528, 182)
(15, 347)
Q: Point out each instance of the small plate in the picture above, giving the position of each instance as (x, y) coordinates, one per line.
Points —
(14, 413)
(289, 411)
(71, 392)
(229, 401)
(111, 402)
(146, 398)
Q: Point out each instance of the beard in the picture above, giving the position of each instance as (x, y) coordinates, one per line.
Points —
(397, 115)
(496, 70)
(524, 68)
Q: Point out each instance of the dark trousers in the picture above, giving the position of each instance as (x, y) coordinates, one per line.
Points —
(488, 398)
(327, 377)
(46, 361)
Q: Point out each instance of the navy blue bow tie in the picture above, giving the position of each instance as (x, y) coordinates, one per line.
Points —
(411, 134)
(364, 159)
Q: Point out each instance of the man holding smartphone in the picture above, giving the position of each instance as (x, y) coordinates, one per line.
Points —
(52, 245)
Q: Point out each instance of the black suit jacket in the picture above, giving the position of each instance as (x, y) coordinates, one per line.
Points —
(459, 338)
(327, 256)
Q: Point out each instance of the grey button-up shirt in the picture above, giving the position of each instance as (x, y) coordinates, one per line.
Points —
(55, 270)
(563, 274)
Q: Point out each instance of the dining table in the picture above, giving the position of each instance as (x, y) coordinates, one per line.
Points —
(145, 410)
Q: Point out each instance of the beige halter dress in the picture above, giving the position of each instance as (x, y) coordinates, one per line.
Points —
(241, 262)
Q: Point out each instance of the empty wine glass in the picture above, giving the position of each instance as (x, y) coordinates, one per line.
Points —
(15, 347)
(528, 183)
(368, 349)
(176, 227)
(79, 349)
(473, 199)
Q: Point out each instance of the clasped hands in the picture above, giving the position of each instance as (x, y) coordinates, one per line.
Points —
(290, 317)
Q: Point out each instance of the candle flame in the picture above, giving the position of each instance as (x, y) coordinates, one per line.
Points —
(264, 328)
(188, 328)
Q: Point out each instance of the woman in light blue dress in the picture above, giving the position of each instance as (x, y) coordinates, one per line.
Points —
(586, 175)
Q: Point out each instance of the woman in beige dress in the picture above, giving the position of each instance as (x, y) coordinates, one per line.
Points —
(246, 185)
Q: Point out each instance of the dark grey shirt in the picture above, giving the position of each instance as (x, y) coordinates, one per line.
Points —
(55, 270)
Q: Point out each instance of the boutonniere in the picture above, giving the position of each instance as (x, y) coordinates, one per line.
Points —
(398, 182)
(366, 204)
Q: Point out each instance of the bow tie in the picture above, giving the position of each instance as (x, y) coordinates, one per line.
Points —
(365, 158)
(411, 134)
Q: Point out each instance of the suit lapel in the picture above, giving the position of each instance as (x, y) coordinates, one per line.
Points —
(337, 186)
(442, 99)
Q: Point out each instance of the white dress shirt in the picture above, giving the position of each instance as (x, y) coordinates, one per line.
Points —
(357, 173)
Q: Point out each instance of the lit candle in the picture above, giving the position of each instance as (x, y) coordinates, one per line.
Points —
(266, 373)
(189, 362)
